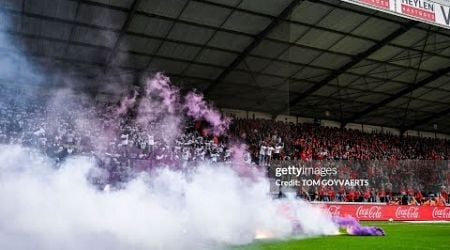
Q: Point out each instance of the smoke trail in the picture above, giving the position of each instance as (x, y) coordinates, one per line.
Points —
(354, 228)
(160, 85)
(198, 108)
(127, 103)
(159, 110)
(15, 68)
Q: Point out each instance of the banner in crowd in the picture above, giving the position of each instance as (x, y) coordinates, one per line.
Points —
(436, 12)
(385, 212)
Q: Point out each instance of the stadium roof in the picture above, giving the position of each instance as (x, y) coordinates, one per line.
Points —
(324, 59)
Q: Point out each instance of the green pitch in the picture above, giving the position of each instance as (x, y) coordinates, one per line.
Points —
(398, 236)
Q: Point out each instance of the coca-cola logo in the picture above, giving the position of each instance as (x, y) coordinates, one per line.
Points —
(368, 212)
(441, 213)
(334, 210)
(407, 213)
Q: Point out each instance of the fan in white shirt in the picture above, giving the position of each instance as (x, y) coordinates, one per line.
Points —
(270, 149)
(277, 151)
(262, 154)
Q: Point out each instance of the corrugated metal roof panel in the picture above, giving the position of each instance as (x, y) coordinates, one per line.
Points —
(119, 3)
(94, 36)
(342, 20)
(168, 66)
(169, 8)
(281, 69)
(216, 57)
(101, 16)
(289, 32)
(319, 39)
(203, 71)
(310, 12)
(253, 64)
(140, 44)
(230, 41)
(176, 50)
(270, 7)
(190, 33)
(205, 14)
(150, 26)
(128, 60)
(245, 22)
(54, 8)
(270, 49)
(45, 28)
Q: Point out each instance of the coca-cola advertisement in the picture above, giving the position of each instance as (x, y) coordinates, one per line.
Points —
(385, 212)
(334, 210)
(407, 212)
(442, 213)
(368, 212)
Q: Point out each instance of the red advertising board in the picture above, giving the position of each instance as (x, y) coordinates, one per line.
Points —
(386, 212)
(418, 12)
(377, 3)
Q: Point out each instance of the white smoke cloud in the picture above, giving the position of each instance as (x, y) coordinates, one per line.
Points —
(47, 208)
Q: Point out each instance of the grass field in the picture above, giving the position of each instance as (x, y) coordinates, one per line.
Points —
(398, 236)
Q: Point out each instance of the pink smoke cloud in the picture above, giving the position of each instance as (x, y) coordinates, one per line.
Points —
(198, 108)
(127, 103)
(160, 85)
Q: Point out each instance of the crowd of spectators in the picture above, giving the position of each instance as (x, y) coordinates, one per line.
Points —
(273, 140)
(387, 181)
(63, 126)
(408, 196)
(121, 144)
(401, 170)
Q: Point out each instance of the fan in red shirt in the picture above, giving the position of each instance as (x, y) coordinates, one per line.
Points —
(358, 195)
(366, 195)
(332, 194)
(444, 195)
(410, 191)
(382, 195)
(351, 196)
(419, 195)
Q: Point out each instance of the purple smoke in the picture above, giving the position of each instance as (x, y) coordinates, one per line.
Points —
(160, 84)
(159, 109)
(241, 163)
(198, 108)
(127, 103)
(355, 228)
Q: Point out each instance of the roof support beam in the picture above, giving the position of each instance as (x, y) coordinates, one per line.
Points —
(436, 75)
(357, 59)
(102, 47)
(123, 31)
(326, 3)
(101, 65)
(72, 29)
(426, 120)
(115, 49)
(256, 41)
(138, 12)
(320, 28)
